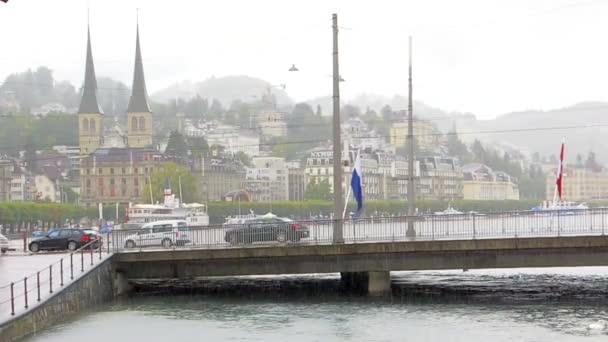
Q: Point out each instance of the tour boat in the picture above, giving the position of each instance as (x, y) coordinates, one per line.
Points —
(195, 214)
(566, 206)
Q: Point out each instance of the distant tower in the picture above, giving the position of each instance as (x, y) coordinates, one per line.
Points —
(139, 116)
(90, 117)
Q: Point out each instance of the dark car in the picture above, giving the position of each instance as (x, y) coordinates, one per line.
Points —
(266, 228)
(64, 239)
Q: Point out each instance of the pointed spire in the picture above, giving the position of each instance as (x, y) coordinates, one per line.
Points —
(88, 102)
(138, 103)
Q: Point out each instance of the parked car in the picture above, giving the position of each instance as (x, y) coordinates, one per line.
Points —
(267, 228)
(4, 244)
(41, 233)
(164, 233)
(65, 239)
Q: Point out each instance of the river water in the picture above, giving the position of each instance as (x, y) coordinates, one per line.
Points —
(561, 304)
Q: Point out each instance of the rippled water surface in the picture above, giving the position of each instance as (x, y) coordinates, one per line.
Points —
(484, 305)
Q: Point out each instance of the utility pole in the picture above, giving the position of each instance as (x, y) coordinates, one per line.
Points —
(337, 156)
(411, 188)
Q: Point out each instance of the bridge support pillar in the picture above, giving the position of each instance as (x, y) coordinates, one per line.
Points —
(121, 284)
(373, 283)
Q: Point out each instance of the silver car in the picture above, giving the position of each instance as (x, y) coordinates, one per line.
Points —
(4, 245)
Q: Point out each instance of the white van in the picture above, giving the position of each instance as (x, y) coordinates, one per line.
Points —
(164, 233)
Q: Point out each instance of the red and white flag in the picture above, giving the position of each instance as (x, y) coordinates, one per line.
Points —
(560, 172)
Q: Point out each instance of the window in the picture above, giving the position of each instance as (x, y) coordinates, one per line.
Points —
(63, 234)
(124, 181)
(88, 171)
(88, 183)
(92, 126)
(99, 171)
(111, 170)
(134, 124)
(85, 125)
(142, 123)
(123, 171)
(54, 234)
(135, 170)
(112, 181)
(76, 233)
(136, 182)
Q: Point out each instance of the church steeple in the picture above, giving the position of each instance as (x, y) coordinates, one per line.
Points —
(139, 116)
(90, 118)
(138, 103)
(88, 102)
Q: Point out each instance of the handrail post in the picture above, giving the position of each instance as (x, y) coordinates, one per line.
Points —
(72, 266)
(91, 248)
(474, 228)
(61, 271)
(38, 283)
(12, 300)
(51, 279)
(99, 241)
(81, 260)
(25, 291)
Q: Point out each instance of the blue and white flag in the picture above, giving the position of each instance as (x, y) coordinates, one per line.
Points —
(356, 183)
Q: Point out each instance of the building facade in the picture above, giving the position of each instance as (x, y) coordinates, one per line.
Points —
(481, 183)
(579, 184)
(425, 134)
(268, 180)
(120, 175)
(296, 181)
(6, 175)
(440, 179)
(221, 175)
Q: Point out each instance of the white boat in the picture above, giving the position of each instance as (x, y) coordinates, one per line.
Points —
(448, 211)
(568, 206)
(195, 214)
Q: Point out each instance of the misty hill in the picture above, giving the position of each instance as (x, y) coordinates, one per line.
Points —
(226, 89)
(528, 131)
(547, 141)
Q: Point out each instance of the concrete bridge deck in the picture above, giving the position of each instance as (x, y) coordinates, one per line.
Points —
(381, 256)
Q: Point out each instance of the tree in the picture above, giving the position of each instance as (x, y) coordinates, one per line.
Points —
(244, 158)
(197, 145)
(216, 110)
(479, 153)
(387, 114)
(350, 111)
(177, 149)
(174, 173)
(579, 160)
(456, 147)
(591, 162)
(318, 191)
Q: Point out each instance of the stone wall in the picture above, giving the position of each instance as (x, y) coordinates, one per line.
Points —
(95, 287)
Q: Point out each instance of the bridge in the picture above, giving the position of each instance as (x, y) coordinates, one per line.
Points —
(372, 248)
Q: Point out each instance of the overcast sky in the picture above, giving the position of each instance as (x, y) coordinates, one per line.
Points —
(487, 57)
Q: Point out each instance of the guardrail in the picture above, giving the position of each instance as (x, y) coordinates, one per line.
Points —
(376, 229)
(27, 292)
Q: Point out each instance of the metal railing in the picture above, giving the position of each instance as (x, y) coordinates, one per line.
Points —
(372, 229)
(21, 295)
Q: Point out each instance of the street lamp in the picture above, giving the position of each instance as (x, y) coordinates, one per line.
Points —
(293, 68)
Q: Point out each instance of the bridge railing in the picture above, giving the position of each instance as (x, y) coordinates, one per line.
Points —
(23, 294)
(370, 229)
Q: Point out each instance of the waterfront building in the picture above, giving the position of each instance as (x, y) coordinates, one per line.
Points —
(267, 180)
(579, 184)
(440, 179)
(480, 182)
(425, 134)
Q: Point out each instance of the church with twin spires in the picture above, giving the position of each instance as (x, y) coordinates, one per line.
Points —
(115, 174)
